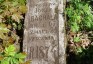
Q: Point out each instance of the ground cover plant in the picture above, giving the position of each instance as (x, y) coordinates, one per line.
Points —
(79, 29)
(11, 23)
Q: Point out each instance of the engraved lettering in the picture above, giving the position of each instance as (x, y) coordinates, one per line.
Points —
(41, 53)
(38, 52)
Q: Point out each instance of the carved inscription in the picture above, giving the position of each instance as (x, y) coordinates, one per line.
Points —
(41, 38)
(42, 52)
(42, 18)
(42, 29)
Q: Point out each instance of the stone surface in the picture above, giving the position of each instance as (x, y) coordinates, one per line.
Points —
(44, 32)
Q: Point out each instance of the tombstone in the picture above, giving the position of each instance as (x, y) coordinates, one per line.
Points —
(44, 32)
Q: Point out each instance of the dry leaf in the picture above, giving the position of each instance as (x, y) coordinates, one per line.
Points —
(17, 17)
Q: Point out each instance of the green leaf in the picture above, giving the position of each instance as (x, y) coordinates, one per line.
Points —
(19, 26)
(14, 25)
(15, 3)
(74, 27)
(4, 62)
(3, 28)
(20, 55)
(22, 2)
(23, 9)
(14, 61)
(10, 50)
(88, 24)
(79, 50)
(21, 60)
(76, 39)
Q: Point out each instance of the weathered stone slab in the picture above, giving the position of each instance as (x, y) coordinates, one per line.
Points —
(43, 33)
